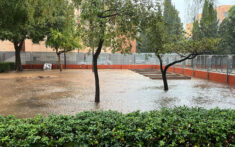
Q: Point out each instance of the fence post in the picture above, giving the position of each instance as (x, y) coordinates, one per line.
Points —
(174, 65)
(228, 67)
(193, 66)
(221, 64)
(183, 67)
(208, 66)
(134, 60)
(205, 61)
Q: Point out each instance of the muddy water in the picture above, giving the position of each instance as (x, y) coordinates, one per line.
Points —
(29, 93)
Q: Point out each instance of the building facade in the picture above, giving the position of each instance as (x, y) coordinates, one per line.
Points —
(222, 13)
(29, 46)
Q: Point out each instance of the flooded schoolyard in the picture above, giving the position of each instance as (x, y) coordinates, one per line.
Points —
(29, 93)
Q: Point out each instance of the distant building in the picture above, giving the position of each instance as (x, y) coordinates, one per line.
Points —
(222, 13)
(29, 46)
(188, 29)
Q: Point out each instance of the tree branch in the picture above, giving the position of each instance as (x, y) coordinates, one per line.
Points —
(190, 56)
(111, 15)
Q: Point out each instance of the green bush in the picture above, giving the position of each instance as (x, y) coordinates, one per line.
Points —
(169, 127)
(6, 66)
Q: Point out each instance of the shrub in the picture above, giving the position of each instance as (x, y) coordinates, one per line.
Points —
(7, 66)
(169, 127)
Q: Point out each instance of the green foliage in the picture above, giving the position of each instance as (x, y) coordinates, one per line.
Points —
(65, 41)
(173, 22)
(169, 127)
(25, 19)
(209, 22)
(208, 26)
(143, 43)
(6, 66)
(154, 33)
(160, 29)
(196, 33)
(63, 34)
(205, 45)
(115, 22)
(21, 19)
(227, 33)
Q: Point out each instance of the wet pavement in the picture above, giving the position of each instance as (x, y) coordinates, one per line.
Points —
(51, 92)
(156, 74)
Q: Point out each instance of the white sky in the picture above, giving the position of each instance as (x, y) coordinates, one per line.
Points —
(181, 6)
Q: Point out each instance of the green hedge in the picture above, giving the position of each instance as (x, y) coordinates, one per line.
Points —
(6, 66)
(168, 127)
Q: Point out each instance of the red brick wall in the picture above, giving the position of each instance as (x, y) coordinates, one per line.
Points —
(231, 80)
(178, 70)
(216, 77)
(170, 69)
(188, 72)
(201, 74)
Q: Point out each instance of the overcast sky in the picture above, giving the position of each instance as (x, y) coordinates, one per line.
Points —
(181, 6)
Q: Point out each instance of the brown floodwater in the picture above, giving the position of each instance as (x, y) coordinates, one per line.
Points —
(30, 93)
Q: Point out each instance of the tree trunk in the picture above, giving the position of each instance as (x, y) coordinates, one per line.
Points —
(18, 47)
(164, 78)
(92, 59)
(18, 65)
(59, 62)
(163, 71)
(65, 62)
(95, 58)
(97, 85)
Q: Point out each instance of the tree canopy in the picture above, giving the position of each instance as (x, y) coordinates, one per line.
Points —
(112, 21)
(165, 27)
(207, 26)
(172, 20)
(227, 33)
(64, 33)
(154, 34)
(26, 19)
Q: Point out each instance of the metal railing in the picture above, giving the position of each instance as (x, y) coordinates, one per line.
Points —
(211, 63)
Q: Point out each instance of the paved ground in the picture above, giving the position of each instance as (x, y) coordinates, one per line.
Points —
(31, 92)
(155, 74)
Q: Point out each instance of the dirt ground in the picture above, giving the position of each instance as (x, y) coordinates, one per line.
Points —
(29, 93)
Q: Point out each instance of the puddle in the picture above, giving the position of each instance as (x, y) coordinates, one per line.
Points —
(32, 92)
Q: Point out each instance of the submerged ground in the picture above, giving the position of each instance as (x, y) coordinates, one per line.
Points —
(31, 92)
